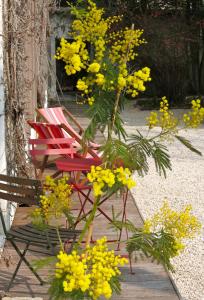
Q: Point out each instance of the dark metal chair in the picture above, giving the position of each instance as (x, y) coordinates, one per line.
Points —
(27, 191)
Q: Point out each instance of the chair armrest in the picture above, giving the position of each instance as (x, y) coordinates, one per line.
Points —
(71, 133)
(81, 130)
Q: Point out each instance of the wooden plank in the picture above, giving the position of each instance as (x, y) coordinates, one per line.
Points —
(18, 189)
(21, 181)
(19, 199)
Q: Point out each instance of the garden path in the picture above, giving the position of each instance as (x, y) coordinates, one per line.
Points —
(184, 185)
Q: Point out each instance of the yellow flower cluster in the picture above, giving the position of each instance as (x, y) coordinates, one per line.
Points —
(73, 268)
(81, 85)
(92, 27)
(196, 116)
(180, 224)
(122, 51)
(90, 101)
(116, 48)
(91, 271)
(55, 199)
(135, 82)
(153, 120)
(94, 67)
(100, 79)
(123, 46)
(74, 54)
(103, 179)
(165, 118)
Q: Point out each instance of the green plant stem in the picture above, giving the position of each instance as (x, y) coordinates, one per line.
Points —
(110, 129)
(89, 220)
(60, 240)
(163, 133)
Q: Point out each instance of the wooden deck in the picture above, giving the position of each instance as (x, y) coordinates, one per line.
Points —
(150, 281)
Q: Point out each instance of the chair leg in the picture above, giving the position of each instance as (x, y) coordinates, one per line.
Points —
(17, 268)
(99, 209)
(125, 198)
(22, 258)
(82, 207)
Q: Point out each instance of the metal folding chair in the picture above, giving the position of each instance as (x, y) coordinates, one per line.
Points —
(27, 191)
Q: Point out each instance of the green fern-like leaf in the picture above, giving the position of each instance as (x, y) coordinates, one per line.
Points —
(159, 246)
(142, 148)
(115, 285)
(116, 151)
(187, 144)
(118, 225)
(44, 262)
(161, 158)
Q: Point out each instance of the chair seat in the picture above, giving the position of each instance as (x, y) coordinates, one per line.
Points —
(29, 234)
(76, 164)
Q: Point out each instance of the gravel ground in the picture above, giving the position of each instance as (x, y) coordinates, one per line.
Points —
(183, 185)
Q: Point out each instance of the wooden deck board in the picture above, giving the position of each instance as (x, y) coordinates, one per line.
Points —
(149, 282)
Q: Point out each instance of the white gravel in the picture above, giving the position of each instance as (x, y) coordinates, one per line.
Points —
(183, 185)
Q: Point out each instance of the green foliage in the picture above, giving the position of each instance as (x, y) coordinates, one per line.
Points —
(70, 218)
(116, 151)
(117, 225)
(134, 155)
(159, 246)
(101, 115)
(187, 144)
(44, 262)
(57, 292)
(115, 285)
(142, 148)
(38, 221)
(161, 158)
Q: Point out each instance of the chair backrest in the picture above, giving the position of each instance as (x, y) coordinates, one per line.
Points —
(19, 190)
(55, 115)
(48, 131)
(41, 129)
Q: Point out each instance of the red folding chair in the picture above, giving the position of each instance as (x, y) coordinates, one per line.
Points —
(60, 115)
(64, 165)
(51, 136)
(48, 131)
